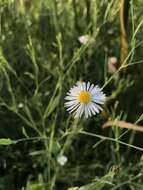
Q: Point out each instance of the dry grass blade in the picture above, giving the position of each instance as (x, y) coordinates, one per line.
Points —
(123, 124)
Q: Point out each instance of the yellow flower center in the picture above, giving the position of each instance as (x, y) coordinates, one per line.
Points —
(84, 97)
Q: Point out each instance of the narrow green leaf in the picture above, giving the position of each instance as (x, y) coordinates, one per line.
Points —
(6, 142)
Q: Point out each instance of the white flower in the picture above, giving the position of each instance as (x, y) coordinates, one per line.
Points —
(84, 98)
(62, 160)
(112, 64)
(84, 39)
(20, 105)
(112, 60)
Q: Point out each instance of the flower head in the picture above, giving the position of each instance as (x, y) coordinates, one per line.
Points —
(84, 99)
(20, 105)
(112, 64)
(84, 39)
(62, 159)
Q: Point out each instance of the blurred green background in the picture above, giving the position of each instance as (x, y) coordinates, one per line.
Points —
(41, 57)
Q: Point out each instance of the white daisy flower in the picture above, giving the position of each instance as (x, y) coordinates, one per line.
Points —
(84, 99)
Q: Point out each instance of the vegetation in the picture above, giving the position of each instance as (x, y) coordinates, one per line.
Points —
(41, 58)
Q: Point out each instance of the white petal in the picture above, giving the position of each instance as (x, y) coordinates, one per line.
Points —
(91, 87)
(79, 85)
(71, 102)
(73, 108)
(100, 99)
(93, 108)
(70, 98)
(82, 110)
(86, 111)
(97, 107)
(83, 86)
(67, 104)
(89, 110)
(88, 85)
(75, 91)
(79, 111)
(95, 90)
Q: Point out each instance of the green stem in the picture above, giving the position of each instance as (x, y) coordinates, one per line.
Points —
(69, 140)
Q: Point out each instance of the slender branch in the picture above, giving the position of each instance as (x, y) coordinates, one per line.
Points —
(124, 10)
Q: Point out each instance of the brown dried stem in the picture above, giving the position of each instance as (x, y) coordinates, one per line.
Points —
(123, 124)
(123, 29)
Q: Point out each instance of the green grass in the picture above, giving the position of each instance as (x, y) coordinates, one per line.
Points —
(40, 59)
